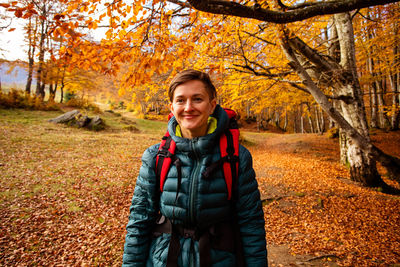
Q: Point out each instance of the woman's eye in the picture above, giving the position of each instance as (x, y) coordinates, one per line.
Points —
(198, 99)
(179, 101)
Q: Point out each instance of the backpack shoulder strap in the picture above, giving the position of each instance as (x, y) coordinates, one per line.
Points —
(165, 154)
(229, 149)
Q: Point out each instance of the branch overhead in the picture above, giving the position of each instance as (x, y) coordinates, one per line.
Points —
(292, 14)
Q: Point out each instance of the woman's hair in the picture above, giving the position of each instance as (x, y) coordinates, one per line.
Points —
(191, 75)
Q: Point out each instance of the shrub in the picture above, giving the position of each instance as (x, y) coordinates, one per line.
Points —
(333, 133)
(68, 96)
(19, 99)
(82, 104)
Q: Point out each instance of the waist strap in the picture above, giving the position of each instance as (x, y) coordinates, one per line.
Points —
(220, 236)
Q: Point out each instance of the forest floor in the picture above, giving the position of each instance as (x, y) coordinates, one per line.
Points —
(65, 195)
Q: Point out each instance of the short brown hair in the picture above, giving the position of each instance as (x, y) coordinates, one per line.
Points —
(191, 75)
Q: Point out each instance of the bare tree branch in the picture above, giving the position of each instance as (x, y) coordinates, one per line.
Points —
(301, 88)
(231, 8)
(259, 38)
(179, 3)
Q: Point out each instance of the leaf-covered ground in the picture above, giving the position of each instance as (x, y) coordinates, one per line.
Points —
(65, 195)
(311, 205)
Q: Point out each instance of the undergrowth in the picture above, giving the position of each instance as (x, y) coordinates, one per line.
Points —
(20, 99)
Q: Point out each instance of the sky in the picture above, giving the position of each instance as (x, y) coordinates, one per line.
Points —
(12, 45)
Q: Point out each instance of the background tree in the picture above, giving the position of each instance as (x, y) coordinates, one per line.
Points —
(309, 64)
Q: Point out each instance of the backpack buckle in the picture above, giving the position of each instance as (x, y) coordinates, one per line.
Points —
(164, 153)
(189, 233)
(232, 158)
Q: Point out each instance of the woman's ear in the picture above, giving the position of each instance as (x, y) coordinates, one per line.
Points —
(213, 105)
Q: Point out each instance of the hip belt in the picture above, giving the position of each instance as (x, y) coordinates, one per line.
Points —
(219, 236)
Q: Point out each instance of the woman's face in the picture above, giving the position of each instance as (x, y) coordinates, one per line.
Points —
(191, 106)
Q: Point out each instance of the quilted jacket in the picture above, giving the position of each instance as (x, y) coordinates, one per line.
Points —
(199, 203)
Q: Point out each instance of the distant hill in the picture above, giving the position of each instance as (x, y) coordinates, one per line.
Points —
(16, 77)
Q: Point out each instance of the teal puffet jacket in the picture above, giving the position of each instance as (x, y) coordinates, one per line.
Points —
(200, 203)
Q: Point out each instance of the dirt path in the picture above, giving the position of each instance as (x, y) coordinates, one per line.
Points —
(306, 194)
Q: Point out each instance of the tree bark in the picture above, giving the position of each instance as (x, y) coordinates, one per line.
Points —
(373, 95)
(310, 119)
(382, 118)
(322, 120)
(362, 167)
(361, 154)
(318, 120)
(290, 14)
(394, 79)
(40, 79)
(286, 119)
(277, 116)
(31, 54)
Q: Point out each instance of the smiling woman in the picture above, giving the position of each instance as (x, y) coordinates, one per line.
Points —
(192, 105)
(205, 209)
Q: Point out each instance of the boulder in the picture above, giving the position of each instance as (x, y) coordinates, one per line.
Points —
(96, 124)
(66, 117)
(75, 118)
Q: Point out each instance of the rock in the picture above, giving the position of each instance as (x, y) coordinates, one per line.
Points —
(83, 121)
(96, 124)
(66, 117)
(75, 118)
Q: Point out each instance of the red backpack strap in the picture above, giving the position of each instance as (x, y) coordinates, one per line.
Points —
(229, 150)
(165, 154)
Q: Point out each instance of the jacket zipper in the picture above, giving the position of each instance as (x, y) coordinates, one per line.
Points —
(193, 185)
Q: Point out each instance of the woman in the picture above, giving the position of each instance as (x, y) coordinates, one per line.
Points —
(194, 221)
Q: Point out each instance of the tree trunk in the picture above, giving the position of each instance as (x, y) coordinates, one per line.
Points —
(360, 153)
(382, 119)
(395, 106)
(301, 123)
(362, 166)
(310, 119)
(373, 96)
(394, 79)
(277, 119)
(31, 55)
(286, 119)
(40, 79)
(317, 119)
(52, 92)
(322, 120)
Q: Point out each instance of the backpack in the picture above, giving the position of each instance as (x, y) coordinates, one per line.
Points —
(229, 151)
(228, 232)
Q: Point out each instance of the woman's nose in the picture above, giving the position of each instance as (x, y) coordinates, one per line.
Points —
(188, 105)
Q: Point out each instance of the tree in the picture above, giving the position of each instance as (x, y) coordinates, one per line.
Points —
(45, 24)
(31, 30)
(361, 154)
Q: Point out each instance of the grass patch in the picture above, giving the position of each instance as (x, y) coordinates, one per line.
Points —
(299, 194)
(73, 207)
(10, 194)
(148, 126)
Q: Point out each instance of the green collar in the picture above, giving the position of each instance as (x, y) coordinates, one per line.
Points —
(212, 125)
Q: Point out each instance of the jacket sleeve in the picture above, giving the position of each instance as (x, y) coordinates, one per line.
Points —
(143, 212)
(250, 215)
